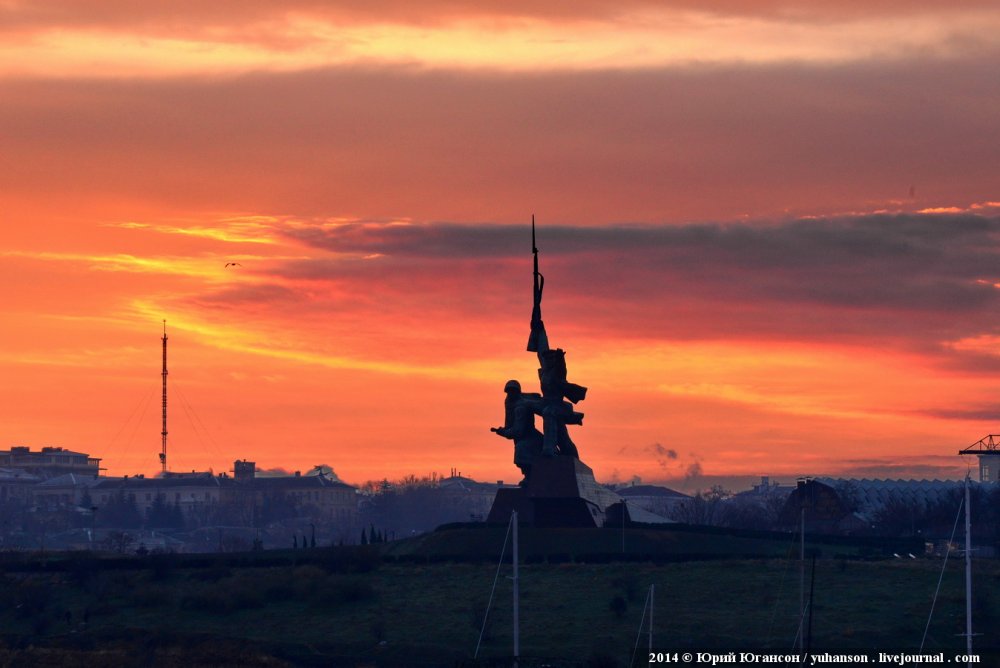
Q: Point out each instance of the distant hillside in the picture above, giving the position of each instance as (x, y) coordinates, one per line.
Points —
(672, 542)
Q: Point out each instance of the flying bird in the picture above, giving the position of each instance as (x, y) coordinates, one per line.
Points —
(233, 264)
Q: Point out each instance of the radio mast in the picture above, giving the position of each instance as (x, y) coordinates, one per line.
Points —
(163, 451)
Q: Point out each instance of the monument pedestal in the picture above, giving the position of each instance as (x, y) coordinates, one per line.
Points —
(559, 492)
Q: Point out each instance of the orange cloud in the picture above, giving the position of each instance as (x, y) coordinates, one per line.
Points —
(160, 41)
(249, 229)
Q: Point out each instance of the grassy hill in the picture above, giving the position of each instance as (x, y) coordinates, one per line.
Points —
(347, 608)
(656, 543)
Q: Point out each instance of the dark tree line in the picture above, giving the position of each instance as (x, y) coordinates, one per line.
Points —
(411, 505)
(901, 516)
(937, 519)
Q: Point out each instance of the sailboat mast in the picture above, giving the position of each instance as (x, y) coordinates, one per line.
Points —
(651, 594)
(517, 604)
(163, 434)
(968, 571)
(802, 567)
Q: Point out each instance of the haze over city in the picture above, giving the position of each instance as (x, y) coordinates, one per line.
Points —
(769, 232)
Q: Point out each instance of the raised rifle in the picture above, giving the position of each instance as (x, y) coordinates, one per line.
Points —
(537, 340)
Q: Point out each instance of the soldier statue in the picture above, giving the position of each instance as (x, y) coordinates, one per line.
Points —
(554, 405)
(519, 425)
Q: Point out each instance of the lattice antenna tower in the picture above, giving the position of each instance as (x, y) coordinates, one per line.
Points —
(163, 434)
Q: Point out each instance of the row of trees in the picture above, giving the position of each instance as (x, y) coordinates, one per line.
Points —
(720, 507)
(373, 536)
(900, 516)
(122, 512)
(412, 505)
(938, 519)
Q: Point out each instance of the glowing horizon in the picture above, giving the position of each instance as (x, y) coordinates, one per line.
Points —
(770, 232)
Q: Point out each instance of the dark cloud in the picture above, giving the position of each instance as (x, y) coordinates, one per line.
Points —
(325, 470)
(664, 456)
(664, 452)
(616, 479)
(248, 294)
(693, 475)
(274, 472)
(913, 282)
(976, 414)
(440, 241)
(891, 248)
(922, 278)
(949, 468)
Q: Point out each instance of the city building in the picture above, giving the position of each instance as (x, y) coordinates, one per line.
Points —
(334, 501)
(16, 485)
(50, 462)
(65, 491)
(192, 493)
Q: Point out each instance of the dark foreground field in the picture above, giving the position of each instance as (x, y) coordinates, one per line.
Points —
(323, 609)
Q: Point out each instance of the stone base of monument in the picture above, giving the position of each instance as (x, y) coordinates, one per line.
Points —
(560, 492)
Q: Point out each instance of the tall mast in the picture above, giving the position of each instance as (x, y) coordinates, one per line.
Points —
(517, 603)
(968, 571)
(651, 594)
(163, 451)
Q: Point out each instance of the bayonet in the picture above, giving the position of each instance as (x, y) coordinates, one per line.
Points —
(539, 279)
(534, 248)
(537, 341)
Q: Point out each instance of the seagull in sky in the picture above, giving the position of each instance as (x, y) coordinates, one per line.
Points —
(233, 264)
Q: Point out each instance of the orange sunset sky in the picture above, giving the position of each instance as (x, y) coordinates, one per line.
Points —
(770, 231)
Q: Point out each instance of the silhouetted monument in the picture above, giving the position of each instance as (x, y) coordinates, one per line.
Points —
(558, 489)
(519, 425)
